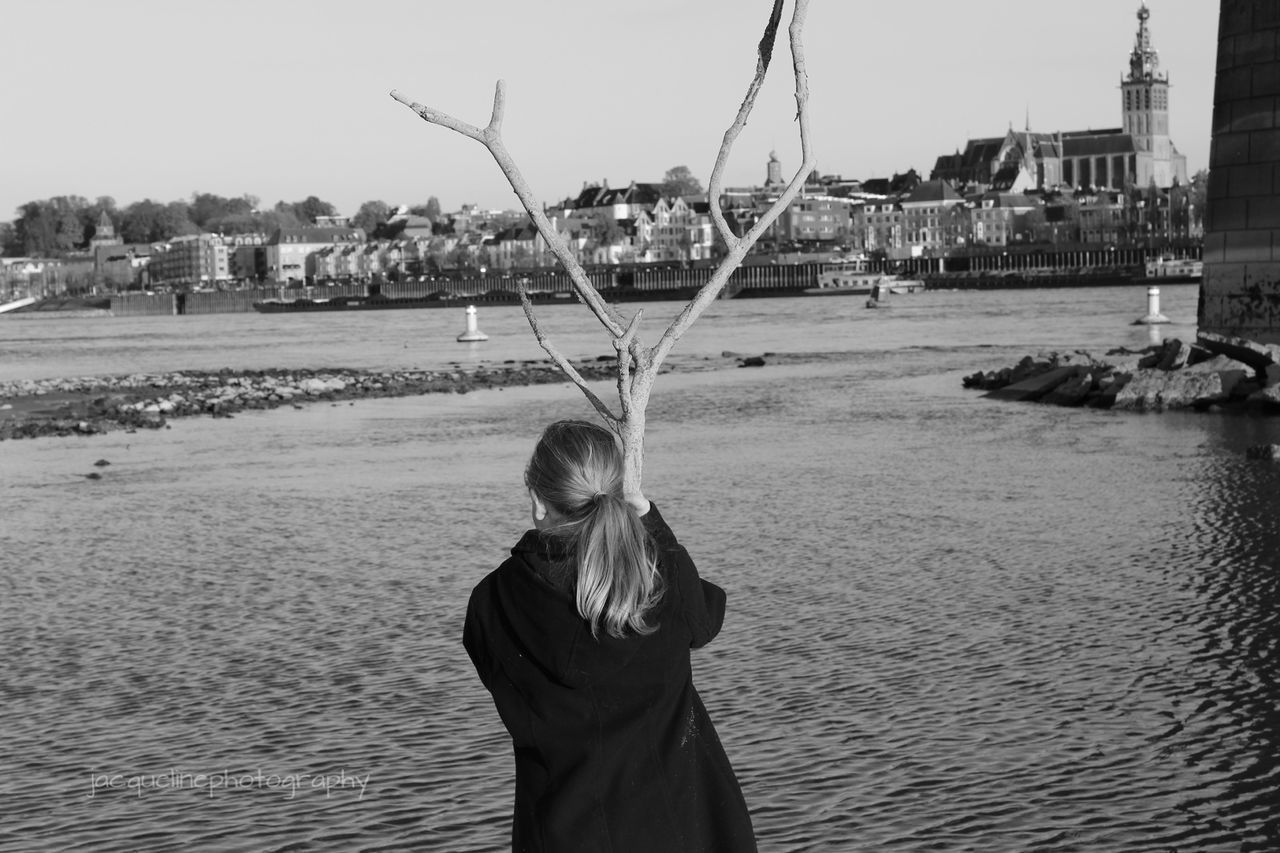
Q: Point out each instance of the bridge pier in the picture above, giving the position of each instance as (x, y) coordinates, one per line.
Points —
(1240, 293)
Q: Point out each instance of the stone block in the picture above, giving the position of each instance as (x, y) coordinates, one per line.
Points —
(1251, 245)
(1233, 373)
(1073, 392)
(1266, 15)
(1266, 78)
(1035, 387)
(1175, 355)
(1264, 213)
(1256, 355)
(1235, 17)
(1249, 114)
(1215, 248)
(1258, 46)
(1228, 214)
(1229, 149)
(1265, 398)
(1253, 179)
(1156, 390)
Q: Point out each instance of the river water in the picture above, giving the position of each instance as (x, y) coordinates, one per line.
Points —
(954, 623)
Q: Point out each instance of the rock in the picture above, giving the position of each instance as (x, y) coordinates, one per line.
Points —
(1036, 386)
(1257, 356)
(313, 387)
(1265, 398)
(752, 361)
(1269, 452)
(1175, 355)
(102, 463)
(1073, 392)
(1155, 390)
(1233, 374)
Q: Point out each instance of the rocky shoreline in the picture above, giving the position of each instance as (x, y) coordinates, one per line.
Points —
(1216, 373)
(99, 404)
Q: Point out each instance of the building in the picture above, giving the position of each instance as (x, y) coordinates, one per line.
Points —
(933, 217)
(246, 258)
(879, 224)
(816, 219)
(1003, 218)
(190, 262)
(680, 231)
(287, 251)
(1139, 153)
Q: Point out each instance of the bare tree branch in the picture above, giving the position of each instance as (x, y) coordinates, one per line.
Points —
(491, 138)
(638, 366)
(562, 362)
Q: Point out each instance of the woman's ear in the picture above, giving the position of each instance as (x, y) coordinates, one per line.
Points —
(538, 508)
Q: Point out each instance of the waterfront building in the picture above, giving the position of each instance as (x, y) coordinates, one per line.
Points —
(677, 231)
(189, 262)
(816, 219)
(1003, 218)
(122, 266)
(881, 226)
(245, 257)
(933, 217)
(405, 225)
(287, 251)
(601, 201)
(1101, 216)
(337, 262)
(517, 246)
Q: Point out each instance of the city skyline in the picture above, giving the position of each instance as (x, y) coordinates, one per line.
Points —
(125, 99)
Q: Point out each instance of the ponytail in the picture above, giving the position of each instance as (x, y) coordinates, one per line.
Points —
(576, 469)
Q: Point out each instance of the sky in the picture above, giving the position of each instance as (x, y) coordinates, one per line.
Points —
(284, 99)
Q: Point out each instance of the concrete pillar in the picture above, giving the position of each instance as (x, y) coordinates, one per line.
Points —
(1240, 294)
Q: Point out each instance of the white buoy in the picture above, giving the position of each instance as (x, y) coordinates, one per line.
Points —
(1153, 309)
(472, 333)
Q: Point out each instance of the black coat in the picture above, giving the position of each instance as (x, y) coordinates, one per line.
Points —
(614, 750)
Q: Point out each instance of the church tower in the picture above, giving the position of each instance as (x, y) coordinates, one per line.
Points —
(773, 172)
(1145, 96)
(105, 233)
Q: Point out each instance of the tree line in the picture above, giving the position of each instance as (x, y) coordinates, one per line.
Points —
(58, 226)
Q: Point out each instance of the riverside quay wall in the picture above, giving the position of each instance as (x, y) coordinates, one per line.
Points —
(1020, 266)
(1240, 295)
(634, 282)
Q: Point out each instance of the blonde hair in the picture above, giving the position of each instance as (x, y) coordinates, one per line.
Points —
(576, 469)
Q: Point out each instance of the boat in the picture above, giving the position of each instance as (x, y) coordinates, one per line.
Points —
(17, 303)
(1167, 268)
(446, 299)
(838, 282)
(350, 303)
(376, 300)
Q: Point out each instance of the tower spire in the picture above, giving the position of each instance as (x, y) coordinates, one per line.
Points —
(1144, 60)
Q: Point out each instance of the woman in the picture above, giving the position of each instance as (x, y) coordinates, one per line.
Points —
(582, 637)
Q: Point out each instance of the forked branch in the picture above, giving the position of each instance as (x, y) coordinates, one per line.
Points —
(638, 365)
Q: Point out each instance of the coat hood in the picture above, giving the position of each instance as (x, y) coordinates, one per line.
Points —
(539, 619)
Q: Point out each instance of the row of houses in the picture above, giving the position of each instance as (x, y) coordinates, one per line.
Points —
(907, 218)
